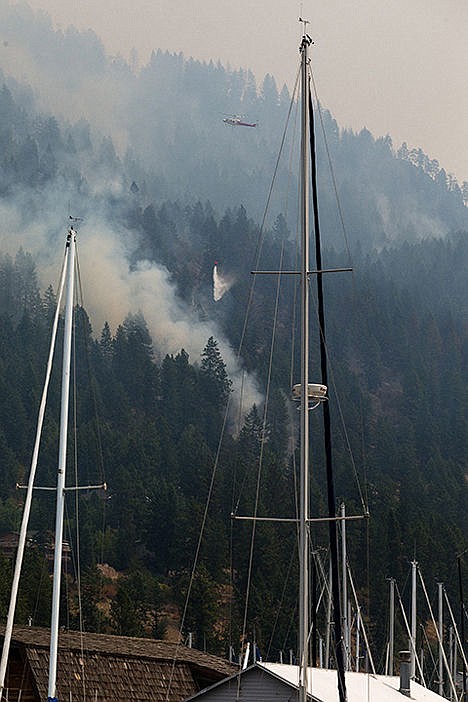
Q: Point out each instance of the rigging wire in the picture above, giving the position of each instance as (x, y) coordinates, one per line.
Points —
(77, 521)
(332, 527)
(262, 444)
(97, 423)
(198, 548)
(455, 628)
(447, 667)
(296, 289)
(265, 211)
(358, 607)
(332, 170)
(364, 501)
(92, 385)
(431, 655)
(363, 498)
(364, 504)
(76, 549)
(231, 523)
(291, 371)
(43, 580)
(325, 350)
(268, 381)
(228, 405)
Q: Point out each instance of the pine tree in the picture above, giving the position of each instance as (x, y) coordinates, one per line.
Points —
(213, 374)
(106, 343)
(215, 386)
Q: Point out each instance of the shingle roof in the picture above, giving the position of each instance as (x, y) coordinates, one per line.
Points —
(121, 646)
(118, 667)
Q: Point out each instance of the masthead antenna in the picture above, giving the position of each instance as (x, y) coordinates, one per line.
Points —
(305, 36)
(75, 220)
(304, 23)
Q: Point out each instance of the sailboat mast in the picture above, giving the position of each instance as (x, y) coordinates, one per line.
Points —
(441, 638)
(340, 653)
(391, 626)
(344, 578)
(413, 620)
(62, 460)
(29, 495)
(304, 406)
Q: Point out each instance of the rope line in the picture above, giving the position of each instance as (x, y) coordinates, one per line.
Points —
(262, 445)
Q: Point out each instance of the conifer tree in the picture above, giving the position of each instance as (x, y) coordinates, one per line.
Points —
(213, 374)
(215, 386)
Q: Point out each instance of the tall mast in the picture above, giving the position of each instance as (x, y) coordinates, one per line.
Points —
(344, 579)
(462, 628)
(62, 460)
(29, 494)
(391, 628)
(414, 566)
(340, 652)
(441, 638)
(304, 405)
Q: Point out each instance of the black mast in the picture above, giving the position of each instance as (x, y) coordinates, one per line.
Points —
(339, 641)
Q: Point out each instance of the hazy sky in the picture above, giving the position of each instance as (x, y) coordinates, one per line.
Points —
(396, 67)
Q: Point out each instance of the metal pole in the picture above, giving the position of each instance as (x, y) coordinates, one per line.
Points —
(358, 638)
(344, 580)
(391, 628)
(451, 668)
(29, 494)
(304, 418)
(339, 640)
(329, 615)
(413, 620)
(462, 627)
(441, 635)
(62, 460)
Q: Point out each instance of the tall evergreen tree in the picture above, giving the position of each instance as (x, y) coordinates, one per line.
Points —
(216, 387)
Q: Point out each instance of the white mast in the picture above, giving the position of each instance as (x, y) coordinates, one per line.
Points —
(304, 406)
(358, 638)
(414, 566)
(62, 460)
(29, 494)
(391, 627)
(344, 570)
(452, 657)
(329, 616)
(441, 638)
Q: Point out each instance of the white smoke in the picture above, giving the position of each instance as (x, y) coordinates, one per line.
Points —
(112, 290)
(87, 83)
(221, 284)
(409, 217)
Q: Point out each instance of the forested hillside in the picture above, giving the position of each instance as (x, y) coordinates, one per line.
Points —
(165, 188)
(399, 362)
(166, 124)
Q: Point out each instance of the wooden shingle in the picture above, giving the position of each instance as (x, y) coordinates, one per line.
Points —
(108, 668)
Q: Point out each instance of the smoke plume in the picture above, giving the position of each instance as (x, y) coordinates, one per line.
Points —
(111, 288)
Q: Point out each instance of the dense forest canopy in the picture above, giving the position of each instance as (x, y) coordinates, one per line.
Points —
(165, 190)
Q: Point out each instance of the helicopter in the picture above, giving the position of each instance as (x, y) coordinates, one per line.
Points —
(237, 121)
